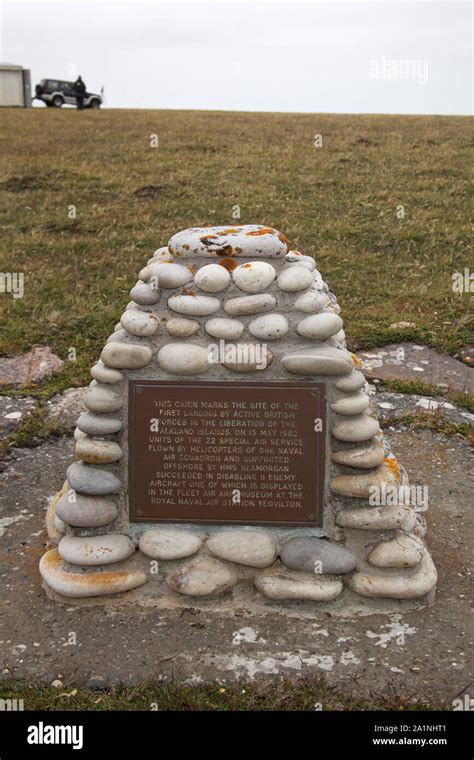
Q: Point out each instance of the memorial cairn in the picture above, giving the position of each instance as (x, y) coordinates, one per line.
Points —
(228, 447)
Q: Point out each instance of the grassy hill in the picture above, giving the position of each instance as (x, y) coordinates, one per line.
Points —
(338, 202)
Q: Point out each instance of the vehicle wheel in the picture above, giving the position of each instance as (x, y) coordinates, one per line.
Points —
(57, 101)
(95, 104)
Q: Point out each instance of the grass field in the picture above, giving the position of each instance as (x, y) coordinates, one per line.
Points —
(292, 695)
(337, 202)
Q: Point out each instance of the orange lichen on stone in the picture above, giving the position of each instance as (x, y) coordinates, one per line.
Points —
(357, 361)
(88, 584)
(247, 266)
(230, 231)
(263, 231)
(228, 264)
(392, 465)
(283, 239)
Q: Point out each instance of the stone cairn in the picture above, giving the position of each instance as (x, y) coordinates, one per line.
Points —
(234, 284)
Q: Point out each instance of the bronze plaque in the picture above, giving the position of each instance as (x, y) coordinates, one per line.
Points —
(218, 452)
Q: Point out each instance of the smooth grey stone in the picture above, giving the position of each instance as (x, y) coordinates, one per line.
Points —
(94, 451)
(95, 424)
(401, 551)
(319, 326)
(293, 279)
(144, 295)
(91, 480)
(245, 547)
(104, 374)
(227, 329)
(117, 336)
(167, 275)
(355, 429)
(180, 327)
(194, 306)
(139, 323)
(254, 276)
(169, 543)
(237, 307)
(321, 360)
(85, 511)
(101, 399)
(203, 576)
(212, 278)
(351, 405)
(306, 553)
(269, 327)
(311, 302)
(96, 550)
(351, 383)
(183, 359)
(290, 585)
(126, 355)
(397, 585)
(81, 585)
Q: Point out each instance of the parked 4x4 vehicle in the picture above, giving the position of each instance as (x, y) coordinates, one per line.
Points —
(57, 93)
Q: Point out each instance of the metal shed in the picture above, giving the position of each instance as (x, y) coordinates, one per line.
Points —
(15, 85)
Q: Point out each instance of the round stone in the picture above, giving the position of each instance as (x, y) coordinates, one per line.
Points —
(401, 551)
(281, 586)
(269, 327)
(96, 550)
(372, 518)
(322, 360)
(397, 586)
(166, 275)
(247, 240)
(80, 585)
(236, 307)
(254, 276)
(310, 302)
(94, 451)
(319, 326)
(117, 336)
(78, 434)
(212, 278)
(167, 544)
(183, 359)
(293, 279)
(104, 374)
(295, 258)
(197, 306)
(351, 383)
(86, 479)
(162, 254)
(142, 294)
(315, 555)
(245, 547)
(93, 424)
(180, 327)
(139, 323)
(351, 404)
(364, 458)
(85, 511)
(355, 429)
(202, 577)
(102, 400)
(225, 329)
(126, 355)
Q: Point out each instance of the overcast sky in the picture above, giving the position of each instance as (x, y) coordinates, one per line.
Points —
(346, 57)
